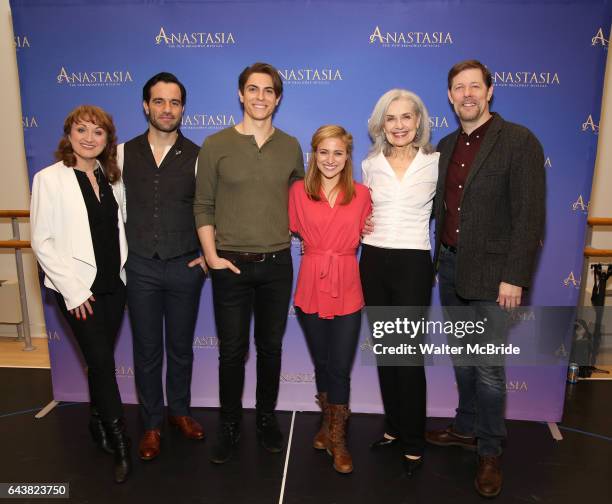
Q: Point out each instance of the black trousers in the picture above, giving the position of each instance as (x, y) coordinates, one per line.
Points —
(400, 277)
(96, 336)
(163, 301)
(332, 344)
(262, 290)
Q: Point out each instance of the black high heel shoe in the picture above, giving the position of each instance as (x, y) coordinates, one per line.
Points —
(383, 442)
(412, 465)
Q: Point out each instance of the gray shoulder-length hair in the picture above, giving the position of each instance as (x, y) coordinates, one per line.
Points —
(377, 121)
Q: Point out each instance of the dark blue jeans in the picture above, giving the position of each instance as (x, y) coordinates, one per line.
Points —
(163, 301)
(332, 344)
(262, 290)
(482, 389)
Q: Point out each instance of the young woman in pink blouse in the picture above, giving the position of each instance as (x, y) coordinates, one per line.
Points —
(328, 211)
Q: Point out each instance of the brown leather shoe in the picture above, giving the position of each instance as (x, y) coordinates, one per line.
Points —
(321, 439)
(343, 462)
(489, 478)
(148, 448)
(190, 428)
(448, 437)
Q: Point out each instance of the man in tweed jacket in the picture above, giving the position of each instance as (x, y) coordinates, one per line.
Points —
(489, 222)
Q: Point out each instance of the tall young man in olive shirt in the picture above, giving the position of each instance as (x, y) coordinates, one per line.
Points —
(242, 188)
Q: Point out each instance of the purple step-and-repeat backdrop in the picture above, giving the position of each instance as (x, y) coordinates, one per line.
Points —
(336, 58)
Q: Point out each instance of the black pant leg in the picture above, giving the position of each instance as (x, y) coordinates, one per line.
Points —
(96, 336)
(146, 310)
(183, 286)
(374, 271)
(400, 278)
(411, 411)
(410, 278)
(412, 287)
(274, 279)
(233, 302)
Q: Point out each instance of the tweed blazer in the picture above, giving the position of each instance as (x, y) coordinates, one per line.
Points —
(502, 210)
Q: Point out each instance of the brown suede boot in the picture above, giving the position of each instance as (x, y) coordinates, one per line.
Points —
(343, 462)
(321, 439)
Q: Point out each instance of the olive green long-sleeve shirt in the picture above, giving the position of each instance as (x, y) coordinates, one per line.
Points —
(242, 190)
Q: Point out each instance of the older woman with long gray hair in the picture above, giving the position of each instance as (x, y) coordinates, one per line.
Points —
(396, 269)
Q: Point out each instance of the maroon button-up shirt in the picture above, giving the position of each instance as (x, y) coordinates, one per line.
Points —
(466, 148)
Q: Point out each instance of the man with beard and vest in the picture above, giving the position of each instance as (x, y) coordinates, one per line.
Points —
(165, 271)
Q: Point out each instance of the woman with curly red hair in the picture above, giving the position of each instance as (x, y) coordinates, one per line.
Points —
(79, 241)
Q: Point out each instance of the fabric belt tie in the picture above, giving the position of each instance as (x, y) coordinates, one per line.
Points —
(329, 275)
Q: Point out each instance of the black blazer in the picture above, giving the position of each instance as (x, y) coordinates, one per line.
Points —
(502, 210)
